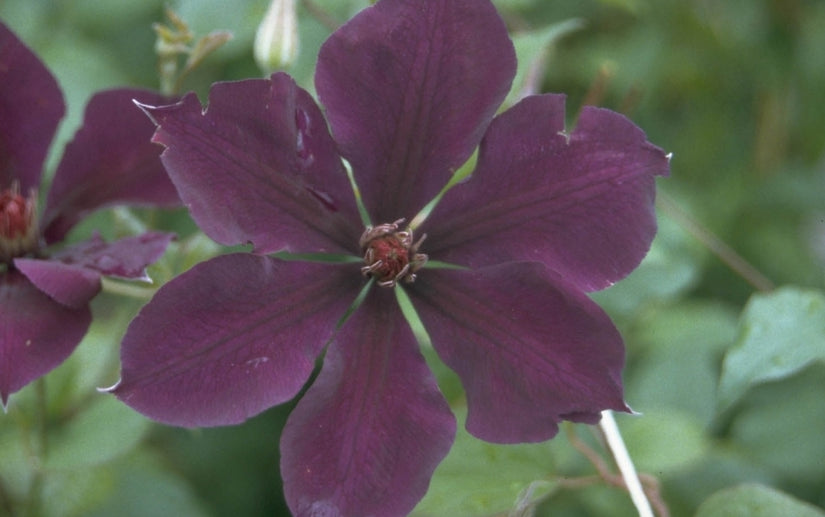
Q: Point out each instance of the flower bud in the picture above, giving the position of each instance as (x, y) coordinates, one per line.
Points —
(276, 42)
(18, 223)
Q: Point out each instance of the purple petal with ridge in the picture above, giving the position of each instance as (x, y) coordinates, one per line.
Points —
(409, 88)
(70, 285)
(582, 204)
(367, 436)
(530, 349)
(72, 276)
(111, 160)
(36, 333)
(230, 338)
(258, 165)
(31, 105)
(125, 258)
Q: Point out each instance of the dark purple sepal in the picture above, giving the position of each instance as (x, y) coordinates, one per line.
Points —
(230, 338)
(124, 258)
(111, 160)
(367, 436)
(530, 349)
(36, 333)
(72, 276)
(409, 88)
(31, 105)
(67, 284)
(583, 203)
(258, 165)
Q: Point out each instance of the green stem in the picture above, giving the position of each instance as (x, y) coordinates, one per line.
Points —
(42, 417)
(714, 244)
(37, 451)
(319, 14)
(6, 502)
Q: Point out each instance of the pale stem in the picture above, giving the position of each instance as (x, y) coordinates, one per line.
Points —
(139, 292)
(631, 478)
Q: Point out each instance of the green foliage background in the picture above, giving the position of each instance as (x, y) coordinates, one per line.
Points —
(726, 368)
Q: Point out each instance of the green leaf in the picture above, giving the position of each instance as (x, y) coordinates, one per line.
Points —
(141, 485)
(663, 441)
(532, 51)
(16, 470)
(670, 268)
(673, 362)
(74, 492)
(106, 429)
(779, 426)
(755, 501)
(780, 333)
(480, 478)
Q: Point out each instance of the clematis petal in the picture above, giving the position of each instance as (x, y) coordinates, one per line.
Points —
(259, 166)
(70, 285)
(367, 436)
(125, 258)
(31, 105)
(409, 88)
(581, 203)
(530, 348)
(230, 338)
(111, 160)
(72, 276)
(36, 333)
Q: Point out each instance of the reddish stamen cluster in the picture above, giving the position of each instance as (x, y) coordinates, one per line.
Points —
(18, 223)
(390, 255)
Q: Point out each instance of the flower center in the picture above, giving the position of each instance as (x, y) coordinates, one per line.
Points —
(390, 254)
(18, 223)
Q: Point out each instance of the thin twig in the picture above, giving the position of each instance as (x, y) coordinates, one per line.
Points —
(319, 14)
(6, 501)
(649, 483)
(717, 246)
(42, 418)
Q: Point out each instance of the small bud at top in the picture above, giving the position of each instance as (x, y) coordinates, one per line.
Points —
(276, 42)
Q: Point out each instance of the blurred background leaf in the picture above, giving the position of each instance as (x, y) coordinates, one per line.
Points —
(780, 333)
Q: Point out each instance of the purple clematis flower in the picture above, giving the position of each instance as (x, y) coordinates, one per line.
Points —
(411, 89)
(44, 290)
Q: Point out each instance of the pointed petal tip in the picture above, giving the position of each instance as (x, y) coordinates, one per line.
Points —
(147, 109)
(111, 389)
(143, 105)
(629, 410)
(635, 413)
(143, 278)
